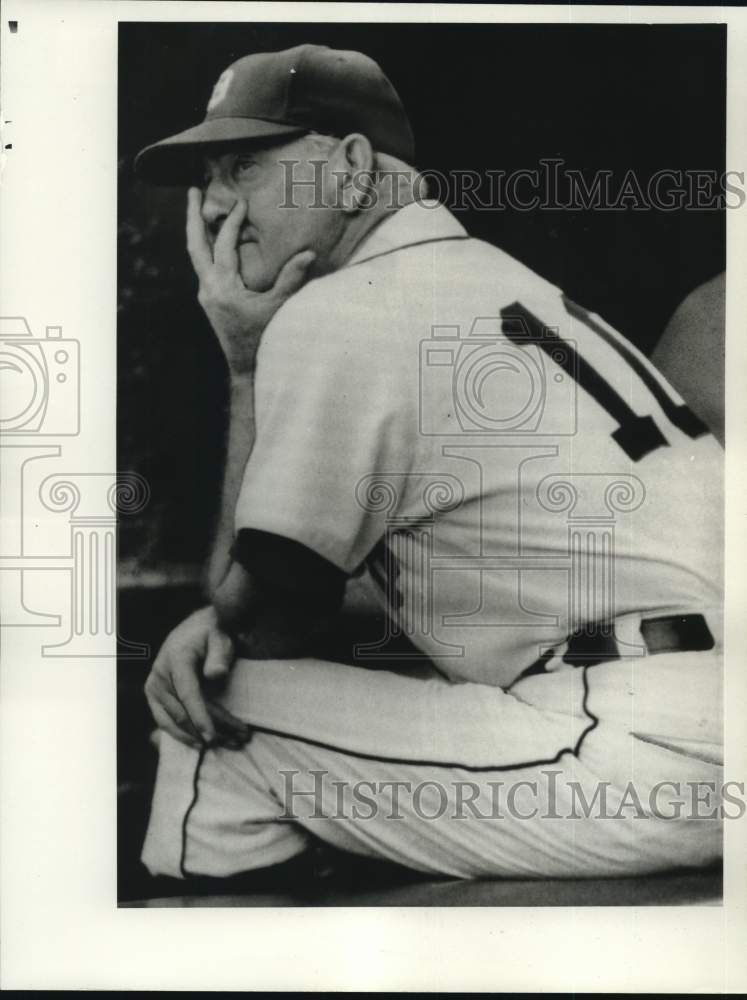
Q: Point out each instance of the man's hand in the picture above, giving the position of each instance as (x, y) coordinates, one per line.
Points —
(238, 316)
(196, 650)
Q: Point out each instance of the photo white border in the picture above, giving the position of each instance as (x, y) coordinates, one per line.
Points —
(60, 924)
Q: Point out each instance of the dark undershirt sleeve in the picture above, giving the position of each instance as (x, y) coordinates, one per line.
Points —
(288, 569)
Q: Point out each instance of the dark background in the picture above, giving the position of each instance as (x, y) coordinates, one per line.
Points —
(480, 97)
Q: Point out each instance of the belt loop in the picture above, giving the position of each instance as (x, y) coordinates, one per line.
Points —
(676, 633)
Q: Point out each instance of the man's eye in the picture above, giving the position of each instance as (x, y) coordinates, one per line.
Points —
(242, 164)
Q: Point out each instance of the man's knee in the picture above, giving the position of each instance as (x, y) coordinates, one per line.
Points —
(213, 815)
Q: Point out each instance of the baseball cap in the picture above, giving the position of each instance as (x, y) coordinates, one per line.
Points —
(269, 96)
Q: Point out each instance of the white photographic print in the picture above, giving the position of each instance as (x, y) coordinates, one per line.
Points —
(372, 422)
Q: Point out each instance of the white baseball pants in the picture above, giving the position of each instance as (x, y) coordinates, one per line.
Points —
(608, 770)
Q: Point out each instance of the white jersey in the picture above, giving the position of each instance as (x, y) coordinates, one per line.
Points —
(507, 466)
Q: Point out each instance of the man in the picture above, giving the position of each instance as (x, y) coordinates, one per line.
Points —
(539, 510)
(690, 351)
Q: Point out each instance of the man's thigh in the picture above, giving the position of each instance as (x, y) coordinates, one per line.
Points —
(550, 819)
(595, 809)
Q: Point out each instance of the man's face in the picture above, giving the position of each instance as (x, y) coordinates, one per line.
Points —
(272, 234)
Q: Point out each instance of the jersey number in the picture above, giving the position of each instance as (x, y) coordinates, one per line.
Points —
(637, 436)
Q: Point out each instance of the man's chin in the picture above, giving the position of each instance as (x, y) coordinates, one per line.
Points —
(256, 281)
(254, 275)
(254, 284)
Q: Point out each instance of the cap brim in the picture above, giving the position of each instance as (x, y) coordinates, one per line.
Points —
(178, 158)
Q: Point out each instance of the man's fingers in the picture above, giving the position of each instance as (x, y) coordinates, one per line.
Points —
(228, 723)
(187, 690)
(220, 655)
(161, 700)
(164, 721)
(294, 273)
(198, 245)
(174, 708)
(225, 249)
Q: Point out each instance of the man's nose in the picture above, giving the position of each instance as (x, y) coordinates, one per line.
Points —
(216, 204)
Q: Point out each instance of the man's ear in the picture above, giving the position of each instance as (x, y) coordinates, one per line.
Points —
(353, 166)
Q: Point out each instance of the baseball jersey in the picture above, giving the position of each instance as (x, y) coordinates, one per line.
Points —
(506, 466)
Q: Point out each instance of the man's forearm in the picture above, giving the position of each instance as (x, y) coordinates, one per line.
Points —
(241, 432)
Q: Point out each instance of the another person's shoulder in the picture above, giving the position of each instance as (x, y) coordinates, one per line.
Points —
(690, 352)
(699, 318)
